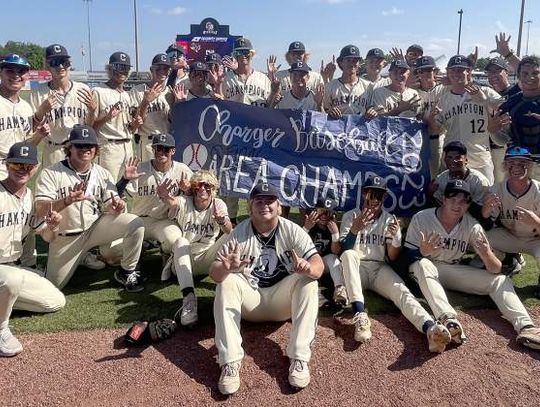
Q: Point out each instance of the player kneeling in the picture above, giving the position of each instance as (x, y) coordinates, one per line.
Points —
(21, 288)
(267, 271)
(369, 234)
(437, 239)
(201, 218)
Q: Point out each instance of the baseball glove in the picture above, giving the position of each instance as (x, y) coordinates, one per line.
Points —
(144, 332)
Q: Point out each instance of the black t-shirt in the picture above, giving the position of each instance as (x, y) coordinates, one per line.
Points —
(322, 238)
(525, 130)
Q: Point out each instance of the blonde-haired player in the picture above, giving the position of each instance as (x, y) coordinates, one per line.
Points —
(201, 217)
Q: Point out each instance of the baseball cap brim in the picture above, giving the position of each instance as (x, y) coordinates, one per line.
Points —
(20, 160)
(84, 142)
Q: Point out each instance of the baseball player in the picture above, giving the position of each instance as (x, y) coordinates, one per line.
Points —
(297, 53)
(15, 113)
(321, 225)
(397, 99)
(216, 73)
(347, 94)
(198, 83)
(62, 102)
(368, 235)
(464, 113)
(115, 124)
(414, 52)
(299, 96)
(201, 217)
(514, 205)
(92, 212)
(144, 184)
(375, 62)
(436, 241)
(180, 67)
(455, 159)
(267, 271)
(153, 101)
(20, 287)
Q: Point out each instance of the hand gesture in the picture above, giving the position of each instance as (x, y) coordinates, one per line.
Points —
(152, 93)
(53, 219)
(397, 53)
(183, 183)
(412, 105)
(332, 226)
(50, 102)
(393, 227)
(499, 121)
(230, 62)
(42, 128)
(311, 220)
(271, 67)
(481, 245)
(491, 201)
(527, 216)
(473, 57)
(86, 97)
(218, 215)
(362, 220)
(114, 111)
(77, 194)
(216, 75)
(231, 257)
(117, 204)
(328, 70)
(476, 93)
(179, 92)
(300, 265)
(430, 244)
(130, 169)
(165, 189)
(318, 94)
(431, 120)
(502, 42)
(135, 122)
(372, 113)
(433, 187)
(335, 112)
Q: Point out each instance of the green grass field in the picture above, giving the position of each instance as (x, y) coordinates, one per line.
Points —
(95, 300)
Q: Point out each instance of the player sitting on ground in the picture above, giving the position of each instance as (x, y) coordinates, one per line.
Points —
(201, 217)
(437, 240)
(514, 205)
(267, 271)
(92, 212)
(369, 235)
(20, 287)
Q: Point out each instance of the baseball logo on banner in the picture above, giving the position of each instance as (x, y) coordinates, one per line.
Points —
(195, 156)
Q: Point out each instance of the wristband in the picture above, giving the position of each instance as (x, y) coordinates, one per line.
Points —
(335, 237)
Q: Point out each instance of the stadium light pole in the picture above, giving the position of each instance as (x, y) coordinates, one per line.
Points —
(460, 12)
(89, 36)
(528, 22)
(136, 38)
(518, 52)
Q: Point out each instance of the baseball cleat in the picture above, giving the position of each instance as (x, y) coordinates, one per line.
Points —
(229, 381)
(340, 295)
(362, 327)
(530, 337)
(299, 375)
(187, 314)
(9, 345)
(456, 330)
(438, 337)
(131, 280)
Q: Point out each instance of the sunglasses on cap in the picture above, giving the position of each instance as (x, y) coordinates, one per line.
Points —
(242, 53)
(56, 62)
(121, 68)
(207, 187)
(174, 55)
(21, 166)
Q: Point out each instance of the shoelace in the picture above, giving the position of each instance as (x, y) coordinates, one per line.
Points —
(5, 334)
(231, 369)
(133, 278)
(360, 319)
(188, 306)
(298, 365)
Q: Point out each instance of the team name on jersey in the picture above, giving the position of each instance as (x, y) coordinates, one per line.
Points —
(370, 239)
(62, 192)
(509, 214)
(245, 89)
(347, 99)
(70, 111)
(198, 229)
(15, 122)
(453, 244)
(464, 108)
(157, 106)
(14, 218)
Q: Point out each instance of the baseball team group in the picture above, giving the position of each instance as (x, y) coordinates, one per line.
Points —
(107, 184)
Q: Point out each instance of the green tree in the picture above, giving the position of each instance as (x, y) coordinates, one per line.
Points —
(481, 64)
(33, 52)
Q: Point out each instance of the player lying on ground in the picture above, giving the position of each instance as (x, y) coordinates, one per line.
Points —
(267, 271)
(437, 239)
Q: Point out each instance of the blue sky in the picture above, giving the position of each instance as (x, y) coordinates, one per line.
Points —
(323, 25)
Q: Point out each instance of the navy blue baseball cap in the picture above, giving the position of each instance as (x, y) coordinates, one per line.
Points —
(120, 58)
(263, 189)
(455, 146)
(83, 135)
(518, 152)
(375, 182)
(163, 139)
(198, 66)
(242, 43)
(22, 153)
(161, 59)
(213, 58)
(14, 59)
(417, 48)
(297, 46)
(349, 51)
(56, 51)
(459, 61)
(174, 50)
(424, 62)
(299, 67)
(375, 53)
(457, 185)
(399, 63)
(499, 62)
(326, 203)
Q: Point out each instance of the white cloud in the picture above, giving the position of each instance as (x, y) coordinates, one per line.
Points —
(394, 11)
(176, 11)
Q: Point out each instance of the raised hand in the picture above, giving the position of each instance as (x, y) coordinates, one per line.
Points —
(216, 75)
(431, 120)
(183, 184)
(130, 169)
(179, 92)
(332, 226)
(117, 204)
(362, 220)
(77, 194)
(397, 53)
(218, 214)
(165, 189)
(393, 227)
(231, 257)
(413, 104)
(311, 220)
(476, 93)
(152, 93)
(499, 121)
(473, 56)
(491, 201)
(86, 96)
(230, 62)
(41, 127)
(318, 94)
(300, 265)
(271, 67)
(52, 101)
(328, 70)
(53, 219)
(481, 245)
(430, 244)
(502, 41)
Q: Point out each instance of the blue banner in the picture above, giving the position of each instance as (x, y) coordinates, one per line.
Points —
(304, 154)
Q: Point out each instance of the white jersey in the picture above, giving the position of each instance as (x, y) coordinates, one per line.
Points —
(208, 95)
(145, 201)
(315, 79)
(271, 256)
(116, 128)
(15, 123)
(349, 99)
(68, 113)
(387, 99)
(254, 91)
(478, 184)
(467, 121)
(157, 113)
(16, 219)
(508, 214)
(370, 242)
(454, 244)
(290, 101)
(56, 181)
(429, 99)
(199, 227)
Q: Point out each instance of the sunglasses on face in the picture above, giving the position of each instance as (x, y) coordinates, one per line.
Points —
(202, 185)
(120, 68)
(21, 167)
(56, 62)
(174, 55)
(16, 71)
(163, 149)
(84, 146)
(242, 53)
